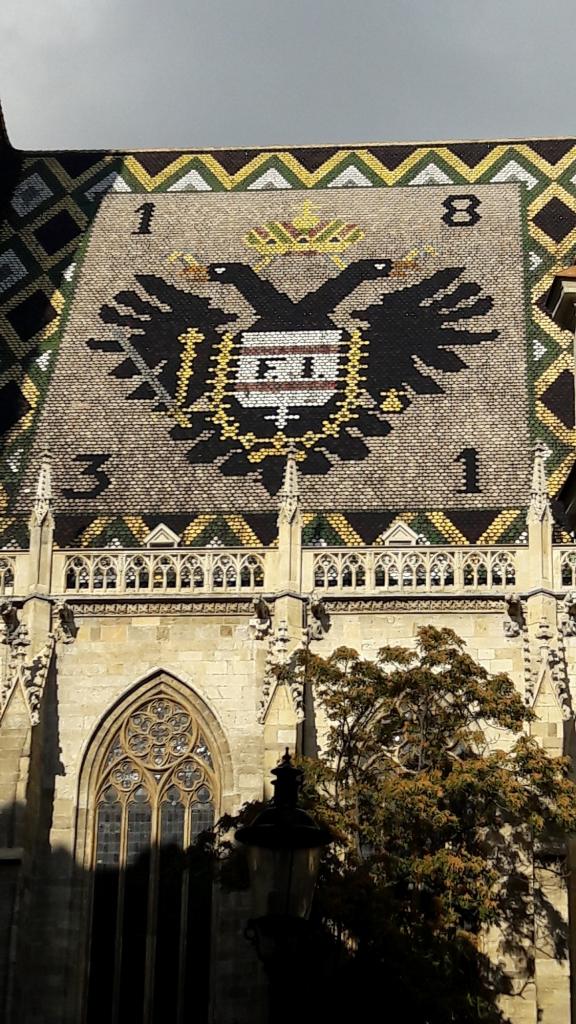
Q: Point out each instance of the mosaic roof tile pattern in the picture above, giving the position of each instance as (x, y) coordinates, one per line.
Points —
(171, 323)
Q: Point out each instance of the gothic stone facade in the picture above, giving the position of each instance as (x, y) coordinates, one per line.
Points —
(253, 401)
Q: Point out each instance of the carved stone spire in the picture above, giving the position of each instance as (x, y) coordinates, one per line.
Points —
(43, 500)
(289, 569)
(539, 505)
(290, 493)
(288, 620)
(41, 526)
(540, 522)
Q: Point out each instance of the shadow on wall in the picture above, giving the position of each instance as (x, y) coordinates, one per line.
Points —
(150, 949)
(144, 908)
(149, 955)
(149, 958)
(150, 924)
(130, 939)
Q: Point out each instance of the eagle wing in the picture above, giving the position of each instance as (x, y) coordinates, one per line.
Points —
(424, 321)
(151, 332)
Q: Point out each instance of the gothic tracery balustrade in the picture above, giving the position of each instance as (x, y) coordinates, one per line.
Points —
(414, 570)
(201, 570)
(332, 570)
(568, 568)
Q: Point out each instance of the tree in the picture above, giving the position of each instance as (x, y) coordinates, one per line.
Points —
(437, 798)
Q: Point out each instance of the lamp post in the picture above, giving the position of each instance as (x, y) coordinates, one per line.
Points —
(283, 847)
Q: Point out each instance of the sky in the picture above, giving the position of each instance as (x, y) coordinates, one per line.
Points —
(222, 73)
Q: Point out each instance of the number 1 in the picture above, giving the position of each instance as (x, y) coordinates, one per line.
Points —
(146, 212)
(469, 459)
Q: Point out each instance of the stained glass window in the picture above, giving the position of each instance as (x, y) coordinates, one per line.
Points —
(151, 897)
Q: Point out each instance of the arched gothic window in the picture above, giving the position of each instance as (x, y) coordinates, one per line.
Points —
(155, 794)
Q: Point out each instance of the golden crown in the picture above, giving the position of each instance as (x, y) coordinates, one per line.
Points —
(305, 233)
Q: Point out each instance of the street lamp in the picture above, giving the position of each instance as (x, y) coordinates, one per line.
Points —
(283, 847)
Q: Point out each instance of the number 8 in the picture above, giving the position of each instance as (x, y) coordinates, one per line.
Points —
(461, 211)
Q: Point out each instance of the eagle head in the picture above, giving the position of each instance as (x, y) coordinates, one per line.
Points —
(226, 273)
(371, 269)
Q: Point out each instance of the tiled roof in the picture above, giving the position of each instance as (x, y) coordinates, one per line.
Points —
(172, 323)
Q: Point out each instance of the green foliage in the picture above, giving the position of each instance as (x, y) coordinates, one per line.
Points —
(436, 795)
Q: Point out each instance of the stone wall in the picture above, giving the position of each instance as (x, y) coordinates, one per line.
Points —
(77, 662)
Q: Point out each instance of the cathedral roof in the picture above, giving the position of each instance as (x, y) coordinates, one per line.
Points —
(174, 323)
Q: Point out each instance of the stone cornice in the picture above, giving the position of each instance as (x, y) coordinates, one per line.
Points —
(153, 605)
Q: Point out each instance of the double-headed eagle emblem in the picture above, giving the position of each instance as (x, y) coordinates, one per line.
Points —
(321, 374)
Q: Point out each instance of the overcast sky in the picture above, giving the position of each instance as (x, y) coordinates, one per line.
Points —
(195, 73)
